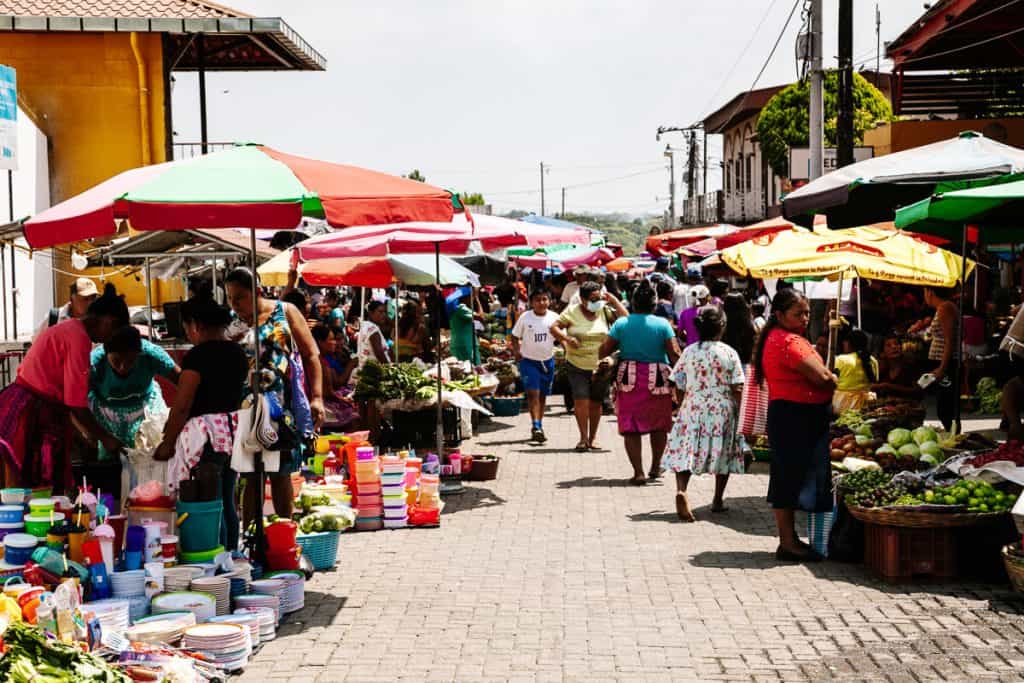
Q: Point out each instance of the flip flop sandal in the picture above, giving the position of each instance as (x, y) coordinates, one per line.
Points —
(641, 481)
(581, 447)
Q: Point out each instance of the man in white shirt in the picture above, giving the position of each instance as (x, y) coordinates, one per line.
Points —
(534, 347)
(83, 293)
(681, 294)
(572, 288)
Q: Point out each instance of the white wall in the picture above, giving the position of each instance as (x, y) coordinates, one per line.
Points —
(34, 295)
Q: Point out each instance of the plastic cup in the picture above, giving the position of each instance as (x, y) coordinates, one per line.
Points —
(169, 546)
(76, 537)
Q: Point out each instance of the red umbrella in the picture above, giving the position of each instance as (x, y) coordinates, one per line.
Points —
(248, 186)
(668, 242)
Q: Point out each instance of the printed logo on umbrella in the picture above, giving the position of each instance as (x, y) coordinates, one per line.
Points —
(855, 247)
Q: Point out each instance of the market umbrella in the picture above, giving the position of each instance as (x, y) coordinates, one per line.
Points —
(868, 252)
(871, 190)
(247, 185)
(565, 225)
(668, 242)
(619, 265)
(568, 258)
(413, 270)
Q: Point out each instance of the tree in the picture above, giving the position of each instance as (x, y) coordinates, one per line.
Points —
(783, 122)
(416, 175)
(472, 198)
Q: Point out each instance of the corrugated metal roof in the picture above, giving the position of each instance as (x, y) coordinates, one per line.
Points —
(177, 9)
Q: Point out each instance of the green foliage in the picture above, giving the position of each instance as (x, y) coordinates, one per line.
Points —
(783, 122)
(472, 198)
(416, 175)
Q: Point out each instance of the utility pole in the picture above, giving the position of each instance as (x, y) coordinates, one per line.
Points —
(563, 203)
(816, 124)
(201, 52)
(844, 119)
(671, 187)
(542, 188)
(878, 45)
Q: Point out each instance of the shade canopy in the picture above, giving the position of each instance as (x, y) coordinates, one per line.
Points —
(249, 186)
(867, 252)
(872, 190)
(412, 270)
(568, 258)
(998, 209)
(668, 242)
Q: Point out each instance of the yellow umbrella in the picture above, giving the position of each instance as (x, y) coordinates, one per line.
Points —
(274, 273)
(872, 253)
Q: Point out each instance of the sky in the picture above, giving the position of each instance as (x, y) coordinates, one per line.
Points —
(476, 95)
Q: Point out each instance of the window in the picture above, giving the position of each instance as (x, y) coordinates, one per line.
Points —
(750, 166)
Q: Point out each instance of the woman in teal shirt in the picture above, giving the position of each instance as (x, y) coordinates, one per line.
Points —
(122, 386)
(643, 390)
(464, 344)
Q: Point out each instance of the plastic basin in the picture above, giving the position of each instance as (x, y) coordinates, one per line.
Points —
(200, 531)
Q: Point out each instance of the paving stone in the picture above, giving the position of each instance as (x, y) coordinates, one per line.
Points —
(559, 570)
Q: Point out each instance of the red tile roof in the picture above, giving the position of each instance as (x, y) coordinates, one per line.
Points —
(148, 9)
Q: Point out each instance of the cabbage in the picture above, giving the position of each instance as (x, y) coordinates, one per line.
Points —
(862, 440)
(899, 437)
(930, 460)
(931, 448)
(885, 449)
(864, 430)
(910, 450)
(924, 434)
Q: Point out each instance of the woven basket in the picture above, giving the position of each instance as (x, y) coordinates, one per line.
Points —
(321, 548)
(922, 520)
(1014, 566)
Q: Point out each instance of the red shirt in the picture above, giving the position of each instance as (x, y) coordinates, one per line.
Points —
(783, 352)
(57, 365)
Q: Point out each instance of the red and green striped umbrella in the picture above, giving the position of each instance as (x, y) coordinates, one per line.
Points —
(246, 186)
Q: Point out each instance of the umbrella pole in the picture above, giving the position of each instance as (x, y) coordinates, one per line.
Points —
(258, 545)
(832, 330)
(437, 346)
(860, 323)
(958, 350)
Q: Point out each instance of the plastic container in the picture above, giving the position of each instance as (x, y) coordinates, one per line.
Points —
(40, 506)
(14, 496)
(6, 529)
(18, 548)
(201, 557)
(169, 548)
(45, 492)
(281, 535)
(320, 548)
(12, 514)
(140, 515)
(396, 523)
(200, 531)
(284, 559)
(369, 524)
(38, 525)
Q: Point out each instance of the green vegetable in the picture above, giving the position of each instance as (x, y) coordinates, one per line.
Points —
(31, 658)
(899, 437)
(923, 435)
(909, 450)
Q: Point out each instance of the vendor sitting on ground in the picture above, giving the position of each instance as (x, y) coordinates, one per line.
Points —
(337, 385)
(857, 370)
(122, 384)
(53, 385)
(896, 375)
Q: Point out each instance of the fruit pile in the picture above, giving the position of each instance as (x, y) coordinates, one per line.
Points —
(1012, 451)
(879, 496)
(977, 496)
(864, 480)
(902, 449)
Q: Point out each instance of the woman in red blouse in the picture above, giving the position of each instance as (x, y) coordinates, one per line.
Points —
(800, 394)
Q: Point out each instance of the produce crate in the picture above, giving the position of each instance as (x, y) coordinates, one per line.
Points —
(905, 553)
(505, 406)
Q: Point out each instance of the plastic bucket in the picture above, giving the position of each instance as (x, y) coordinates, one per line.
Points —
(201, 529)
(281, 535)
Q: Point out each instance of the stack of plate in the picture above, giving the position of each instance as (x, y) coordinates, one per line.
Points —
(257, 600)
(112, 614)
(266, 619)
(250, 621)
(229, 645)
(294, 596)
(180, 578)
(239, 584)
(275, 587)
(219, 587)
(165, 629)
(138, 607)
(242, 568)
(202, 605)
(128, 584)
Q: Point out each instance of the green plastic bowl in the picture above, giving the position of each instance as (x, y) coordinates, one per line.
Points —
(201, 556)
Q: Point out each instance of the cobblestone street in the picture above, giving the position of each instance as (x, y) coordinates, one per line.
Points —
(560, 571)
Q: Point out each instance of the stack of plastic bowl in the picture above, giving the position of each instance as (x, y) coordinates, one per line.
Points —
(219, 587)
(18, 549)
(293, 597)
(266, 618)
(430, 496)
(14, 496)
(250, 621)
(202, 605)
(12, 520)
(161, 629)
(38, 525)
(273, 588)
(393, 492)
(227, 645)
(254, 600)
(112, 614)
(369, 500)
(131, 586)
(180, 578)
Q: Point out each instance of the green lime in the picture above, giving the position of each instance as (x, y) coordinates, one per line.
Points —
(983, 507)
(973, 502)
(929, 496)
(949, 500)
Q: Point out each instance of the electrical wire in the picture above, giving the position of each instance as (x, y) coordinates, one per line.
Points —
(578, 185)
(743, 53)
(961, 48)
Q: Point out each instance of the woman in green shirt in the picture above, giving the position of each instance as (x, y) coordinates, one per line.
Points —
(581, 329)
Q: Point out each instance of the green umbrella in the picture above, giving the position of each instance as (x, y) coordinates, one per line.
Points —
(995, 207)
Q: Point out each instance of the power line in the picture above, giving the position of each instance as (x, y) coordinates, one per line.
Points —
(533, 169)
(577, 185)
(743, 53)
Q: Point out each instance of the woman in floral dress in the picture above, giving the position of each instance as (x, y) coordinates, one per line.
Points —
(704, 438)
